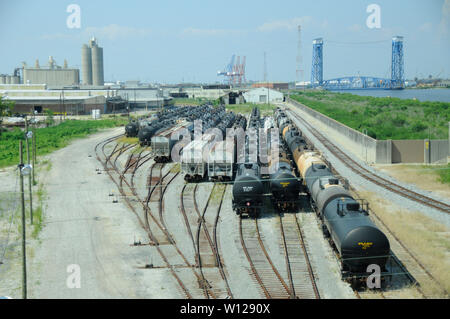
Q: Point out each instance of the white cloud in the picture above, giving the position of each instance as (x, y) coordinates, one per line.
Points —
(211, 32)
(426, 27)
(111, 32)
(444, 26)
(114, 31)
(56, 36)
(355, 28)
(288, 24)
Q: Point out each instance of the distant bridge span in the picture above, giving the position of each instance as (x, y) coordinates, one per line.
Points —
(359, 82)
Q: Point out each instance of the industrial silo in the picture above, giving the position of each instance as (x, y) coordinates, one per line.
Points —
(86, 64)
(15, 79)
(2, 79)
(97, 65)
(8, 79)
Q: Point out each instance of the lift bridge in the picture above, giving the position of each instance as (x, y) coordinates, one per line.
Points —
(359, 82)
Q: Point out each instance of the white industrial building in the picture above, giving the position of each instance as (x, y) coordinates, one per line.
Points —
(51, 75)
(263, 95)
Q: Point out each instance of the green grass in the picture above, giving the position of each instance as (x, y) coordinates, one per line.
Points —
(186, 101)
(38, 212)
(444, 173)
(382, 117)
(128, 140)
(51, 138)
(246, 108)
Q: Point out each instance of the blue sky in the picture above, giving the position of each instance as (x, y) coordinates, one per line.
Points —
(174, 41)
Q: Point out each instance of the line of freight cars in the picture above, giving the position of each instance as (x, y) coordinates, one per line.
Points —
(211, 154)
(345, 222)
(248, 189)
(180, 135)
(171, 133)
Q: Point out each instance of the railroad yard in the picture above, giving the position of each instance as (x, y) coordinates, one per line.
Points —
(140, 222)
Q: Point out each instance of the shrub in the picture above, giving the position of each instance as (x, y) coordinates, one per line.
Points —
(383, 117)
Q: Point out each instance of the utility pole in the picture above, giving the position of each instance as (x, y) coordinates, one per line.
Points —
(265, 68)
(60, 107)
(24, 254)
(27, 137)
(33, 143)
(64, 107)
(299, 71)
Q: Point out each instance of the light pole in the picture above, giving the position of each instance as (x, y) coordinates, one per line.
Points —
(24, 170)
(28, 135)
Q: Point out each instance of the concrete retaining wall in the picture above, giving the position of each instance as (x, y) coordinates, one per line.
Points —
(381, 151)
(384, 152)
(407, 151)
(438, 151)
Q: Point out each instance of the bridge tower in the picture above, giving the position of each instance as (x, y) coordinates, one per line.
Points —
(397, 73)
(317, 62)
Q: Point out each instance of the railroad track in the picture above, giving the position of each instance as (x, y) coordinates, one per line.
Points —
(299, 270)
(403, 256)
(206, 248)
(184, 290)
(374, 178)
(157, 230)
(158, 184)
(262, 268)
(415, 268)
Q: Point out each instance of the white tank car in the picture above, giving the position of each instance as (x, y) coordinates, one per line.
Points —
(221, 160)
(194, 158)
